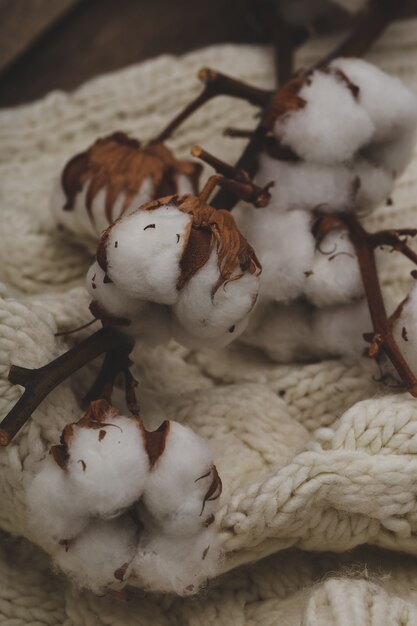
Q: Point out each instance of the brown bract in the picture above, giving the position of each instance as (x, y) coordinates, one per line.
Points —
(96, 418)
(119, 164)
(210, 228)
(287, 100)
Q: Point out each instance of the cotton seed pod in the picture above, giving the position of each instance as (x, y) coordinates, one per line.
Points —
(350, 125)
(98, 470)
(335, 277)
(183, 486)
(180, 564)
(100, 558)
(300, 332)
(171, 252)
(113, 177)
(285, 245)
(146, 321)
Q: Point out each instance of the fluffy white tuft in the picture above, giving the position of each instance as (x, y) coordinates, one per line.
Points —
(108, 466)
(300, 332)
(331, 127)
(147, 321)
(204, 315)
(391, 106)
(177, 564)
(284, 245)
(100, 558)
(176, 491)
(308, 186)
(53, 507)
(335, 276)
(144, 251)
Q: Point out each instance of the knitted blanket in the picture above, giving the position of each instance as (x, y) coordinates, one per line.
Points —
(316, 459)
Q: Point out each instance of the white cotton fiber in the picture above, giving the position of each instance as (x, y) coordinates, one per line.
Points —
(391, 106)
(338, 330)
(105, 471)
(55, 512)
(179, 565)
(108, 466)
(331, 126)
(335, 275)
(405, 330)
(204, 315)
(284, 245)
(374, 185)
(100, 558)
(282, 331)
(182, 489)
(307, 186)
(301, 332)
(148, 322)
(144, 250)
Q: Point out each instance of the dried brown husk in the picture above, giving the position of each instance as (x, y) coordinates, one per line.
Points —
(119, 164)
(211, 228)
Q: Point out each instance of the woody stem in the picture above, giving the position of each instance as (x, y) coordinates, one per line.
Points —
(365, 250)
(363, 35)
(216, 84)
(40, 382)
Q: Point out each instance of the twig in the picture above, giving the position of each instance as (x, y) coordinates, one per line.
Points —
(364, 34)
(216, 84)
(235, 180)
(40, 382)
(365, 244)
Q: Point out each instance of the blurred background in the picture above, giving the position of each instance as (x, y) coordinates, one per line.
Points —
(59, 44)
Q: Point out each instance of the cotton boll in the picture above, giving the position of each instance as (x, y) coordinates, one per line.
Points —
(145, 321)
(108, 465)
(335, 275)
(331, 126)
(173, 564)
(282, 331)
(183, 487)
(405, 330)
(299, 332)
(284, 245)
(143, 253)
(338, 331)
(100, 558)
(54, 510)
(375, 185)
(204, 315)
(391, 106)
(307, 186)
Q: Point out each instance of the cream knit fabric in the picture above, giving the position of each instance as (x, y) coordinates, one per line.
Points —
(318, 457)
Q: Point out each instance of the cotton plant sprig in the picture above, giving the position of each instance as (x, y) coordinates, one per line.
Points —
(175, 267)
(114, 500)
(113, 177)
(339, 137)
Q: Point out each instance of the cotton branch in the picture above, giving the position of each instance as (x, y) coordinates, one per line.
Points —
(40, 382)
(231, 178)
(366, 31)
(365, 244)
(216, 84)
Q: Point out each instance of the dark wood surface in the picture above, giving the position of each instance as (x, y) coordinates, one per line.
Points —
(59, 44)
(98, 36)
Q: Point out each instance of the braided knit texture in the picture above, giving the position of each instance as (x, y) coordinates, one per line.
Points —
(314, 459)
